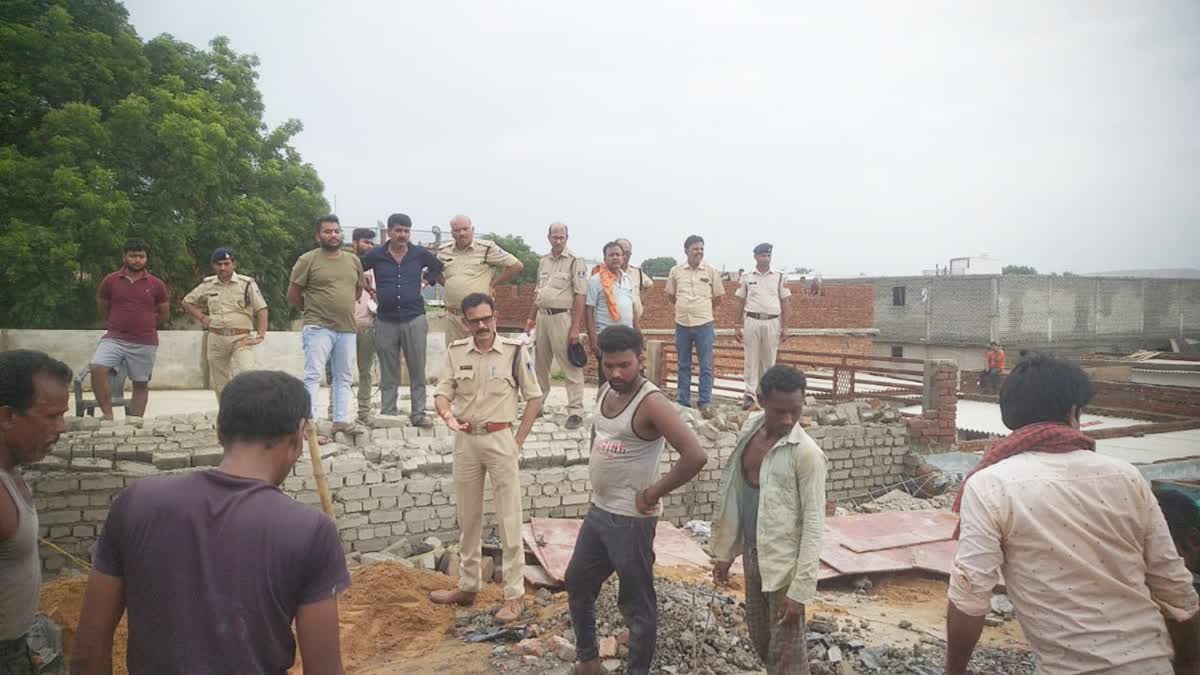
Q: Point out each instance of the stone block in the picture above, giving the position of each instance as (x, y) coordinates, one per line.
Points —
(422, 486)
(91, 464)
(166, 461)
(385, 516)
(135, 468)
(207, 457)
(101, 483)
(387, 490)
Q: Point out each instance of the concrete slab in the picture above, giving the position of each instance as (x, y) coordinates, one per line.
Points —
(552, 541)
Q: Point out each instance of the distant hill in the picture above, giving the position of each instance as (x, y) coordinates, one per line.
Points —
(1170, 273)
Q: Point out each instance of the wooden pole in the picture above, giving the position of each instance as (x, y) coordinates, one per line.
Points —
(314, 451)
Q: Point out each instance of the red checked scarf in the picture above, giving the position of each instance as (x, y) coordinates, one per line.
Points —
(1040, 437)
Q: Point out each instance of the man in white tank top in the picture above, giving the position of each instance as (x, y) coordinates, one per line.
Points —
(33, 400)
(630, 426)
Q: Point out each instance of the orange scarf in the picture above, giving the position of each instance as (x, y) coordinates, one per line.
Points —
(607, 279)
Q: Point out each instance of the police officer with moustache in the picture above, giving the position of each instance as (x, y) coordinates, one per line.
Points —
(230, 307)
(484, 376)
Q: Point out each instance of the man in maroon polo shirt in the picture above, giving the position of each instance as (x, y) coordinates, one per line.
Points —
(133, 301)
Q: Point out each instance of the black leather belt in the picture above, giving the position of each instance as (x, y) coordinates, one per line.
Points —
(552, 312)
(762, 317)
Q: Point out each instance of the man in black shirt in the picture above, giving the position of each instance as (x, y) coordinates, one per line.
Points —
(400, 324)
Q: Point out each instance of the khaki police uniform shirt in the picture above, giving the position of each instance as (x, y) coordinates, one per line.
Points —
(480, 385)
(694, 290)
(643, 280)
(469, 270)
(559, 279)
(763, 292)
(225, 302)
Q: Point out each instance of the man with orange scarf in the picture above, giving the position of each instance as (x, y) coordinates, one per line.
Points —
(610, 297)
(1086, 554)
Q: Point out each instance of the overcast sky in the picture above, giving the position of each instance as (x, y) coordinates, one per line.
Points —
(877, 138)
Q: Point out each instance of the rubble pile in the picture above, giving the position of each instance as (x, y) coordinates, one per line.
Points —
(928, 657)
(899, 500)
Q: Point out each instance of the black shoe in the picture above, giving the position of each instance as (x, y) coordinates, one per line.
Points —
(573, 422)
(422, 421)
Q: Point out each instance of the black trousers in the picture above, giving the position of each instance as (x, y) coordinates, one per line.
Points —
(610, 543)
(15, 658)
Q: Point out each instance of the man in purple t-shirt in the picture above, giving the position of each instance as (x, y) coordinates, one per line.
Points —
(214, 566)
(133, 302)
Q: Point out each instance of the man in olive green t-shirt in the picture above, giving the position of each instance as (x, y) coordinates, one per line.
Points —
(325, 284)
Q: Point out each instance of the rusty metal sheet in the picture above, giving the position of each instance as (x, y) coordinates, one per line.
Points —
(673, 547)
(536, 576)
(552, 541)
(879, 531)
(849, 562)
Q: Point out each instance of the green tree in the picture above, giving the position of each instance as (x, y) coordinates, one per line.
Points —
(658, 267)
(515, 244)
(1018, 269)
(802, 270)
(104, 137)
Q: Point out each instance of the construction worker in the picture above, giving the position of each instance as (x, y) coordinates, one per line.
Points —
(33, 400)
(468, 268)
(989, 379)
(1086, 553)
(229, 306)
(215, 567)
(761, 300)
(557, 313)
(485, 376)
(772, 512)
(633, 422)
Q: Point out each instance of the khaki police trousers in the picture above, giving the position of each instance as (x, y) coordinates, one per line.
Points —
(552, 333)
(760, 343)
(494, 455)
(227, 357)
(455, 330)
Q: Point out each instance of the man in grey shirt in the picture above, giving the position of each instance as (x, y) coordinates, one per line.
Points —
(632, 423)
(33, 400)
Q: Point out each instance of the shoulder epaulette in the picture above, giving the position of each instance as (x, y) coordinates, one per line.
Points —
(212, 277)
(461, 342)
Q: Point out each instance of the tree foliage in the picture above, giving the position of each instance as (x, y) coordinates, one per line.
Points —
(802, 270)
(105, 137)
(658, 267)
(515, 244)
(1018, 269)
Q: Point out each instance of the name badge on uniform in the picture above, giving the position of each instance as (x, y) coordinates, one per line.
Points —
(466, 367)
(493, 372)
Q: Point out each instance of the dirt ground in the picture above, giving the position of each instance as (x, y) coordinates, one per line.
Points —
(388, 625)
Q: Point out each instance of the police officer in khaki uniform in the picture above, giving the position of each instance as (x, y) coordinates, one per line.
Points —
(642, 282)
(477, 397)
(468, 266)
(762, 311)
(230, 306)
(557, 314)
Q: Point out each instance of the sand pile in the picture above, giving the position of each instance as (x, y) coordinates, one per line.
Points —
(62, 600)
(386, 614)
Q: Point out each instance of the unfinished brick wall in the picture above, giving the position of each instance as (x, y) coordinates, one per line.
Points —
(843, 306)
(1131, 396)
(937, 425)
(395, 483)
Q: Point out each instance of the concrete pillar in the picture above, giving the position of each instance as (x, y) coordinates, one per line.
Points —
(655, 367)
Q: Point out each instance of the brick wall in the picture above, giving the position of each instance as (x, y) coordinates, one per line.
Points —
(1117, 396)
(844, 306)
(395, 483)
(937, 425)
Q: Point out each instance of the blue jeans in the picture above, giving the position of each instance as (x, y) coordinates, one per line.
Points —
(701, 337)
(319, 344)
